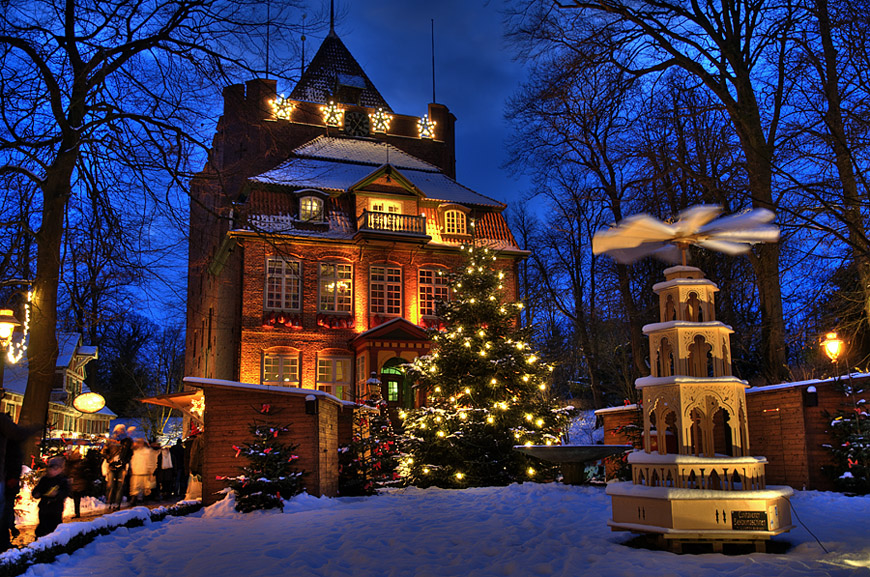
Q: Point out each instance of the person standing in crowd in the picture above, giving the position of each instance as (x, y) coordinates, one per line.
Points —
(165, 472)
(52, 491)
(118, 455)
(180, 485)
(112, 459)
(142, 467)
(77, 473)
(194, 465)
(10, 433)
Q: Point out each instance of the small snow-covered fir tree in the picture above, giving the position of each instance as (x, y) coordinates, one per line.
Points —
(487, 390)
(850, 430)
(370, 461)
(269, 477)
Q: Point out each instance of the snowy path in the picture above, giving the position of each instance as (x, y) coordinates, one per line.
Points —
(521, 530)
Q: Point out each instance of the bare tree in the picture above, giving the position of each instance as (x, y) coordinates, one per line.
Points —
(119, 87)
(735, 48)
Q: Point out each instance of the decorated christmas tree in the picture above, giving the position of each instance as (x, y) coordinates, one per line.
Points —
(369, 461)
(850, 448)
(269, 476)
(487, 390)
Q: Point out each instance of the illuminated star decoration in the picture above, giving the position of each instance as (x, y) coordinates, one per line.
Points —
(380, 120)
(332, 114)
(197, 406)
(642, 235)
(282, 107)
(426, 127)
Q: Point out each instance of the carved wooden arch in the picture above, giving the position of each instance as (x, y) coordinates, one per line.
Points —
(665, 359)
(700, 356)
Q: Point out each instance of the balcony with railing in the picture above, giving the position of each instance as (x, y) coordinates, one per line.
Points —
(390, 225)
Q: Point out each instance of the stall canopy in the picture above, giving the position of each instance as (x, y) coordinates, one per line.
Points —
(183, 401)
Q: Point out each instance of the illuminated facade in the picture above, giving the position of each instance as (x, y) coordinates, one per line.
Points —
(322, 232)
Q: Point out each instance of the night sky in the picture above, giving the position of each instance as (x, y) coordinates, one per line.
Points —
(474, 73)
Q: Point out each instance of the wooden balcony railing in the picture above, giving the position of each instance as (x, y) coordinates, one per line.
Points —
(389, 222)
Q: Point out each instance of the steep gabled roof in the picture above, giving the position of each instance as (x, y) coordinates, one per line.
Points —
(334, 66)
(339, 163)
(361, 151)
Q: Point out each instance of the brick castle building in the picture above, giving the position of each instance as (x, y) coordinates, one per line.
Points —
(321, 232)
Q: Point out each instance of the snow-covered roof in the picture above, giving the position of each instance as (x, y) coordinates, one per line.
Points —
(337, 164)
(200, 382)
(360, 151)
(632, 407)
(674, 379)
(687, 324)
(809, 382)
(67, 343)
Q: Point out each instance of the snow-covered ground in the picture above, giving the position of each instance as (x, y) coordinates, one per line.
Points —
(522, 530)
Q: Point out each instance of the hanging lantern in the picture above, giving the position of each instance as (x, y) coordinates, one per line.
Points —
(89, 402)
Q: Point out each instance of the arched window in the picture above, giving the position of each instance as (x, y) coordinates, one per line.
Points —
(454, 222)
(311, 208)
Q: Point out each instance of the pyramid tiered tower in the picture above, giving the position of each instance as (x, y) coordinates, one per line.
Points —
(695, 479)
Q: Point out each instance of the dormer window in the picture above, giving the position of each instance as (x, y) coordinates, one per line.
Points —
(311, 208)
(385, 206)
(455, 222)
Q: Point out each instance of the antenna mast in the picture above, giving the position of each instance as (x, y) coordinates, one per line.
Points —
(268, 33)
(433, 60)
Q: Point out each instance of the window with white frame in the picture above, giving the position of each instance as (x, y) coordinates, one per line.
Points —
(454, 222)
(336, 287)
(283, 284)
(311, 208)
(385, 290)
(385, 206)
(334, 376)
(432, 286)
(281, 369)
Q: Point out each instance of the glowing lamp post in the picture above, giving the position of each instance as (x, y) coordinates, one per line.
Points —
(8, 322)
(833, 346)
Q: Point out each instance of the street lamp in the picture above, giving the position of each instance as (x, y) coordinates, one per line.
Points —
(833, 346)
(8, 322)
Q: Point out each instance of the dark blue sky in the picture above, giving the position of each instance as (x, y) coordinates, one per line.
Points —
(474, 73)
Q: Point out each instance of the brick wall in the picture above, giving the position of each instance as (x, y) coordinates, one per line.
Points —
(228, 416)
(311, 338)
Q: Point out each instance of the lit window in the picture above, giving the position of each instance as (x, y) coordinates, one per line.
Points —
(336, 287)
(283, 284)
(385, 206)
(454, 222)
(334, 376)
(310, 208)
(385, 290)
(433, 287)
(281, 369)
(392, 391)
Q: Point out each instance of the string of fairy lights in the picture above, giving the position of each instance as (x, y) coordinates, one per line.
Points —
(16, 349)
(516, 374)
(332, 114)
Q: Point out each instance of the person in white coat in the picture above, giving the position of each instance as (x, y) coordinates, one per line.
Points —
(142, 467)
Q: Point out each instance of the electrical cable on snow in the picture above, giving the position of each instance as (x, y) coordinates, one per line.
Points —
(793, 510)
